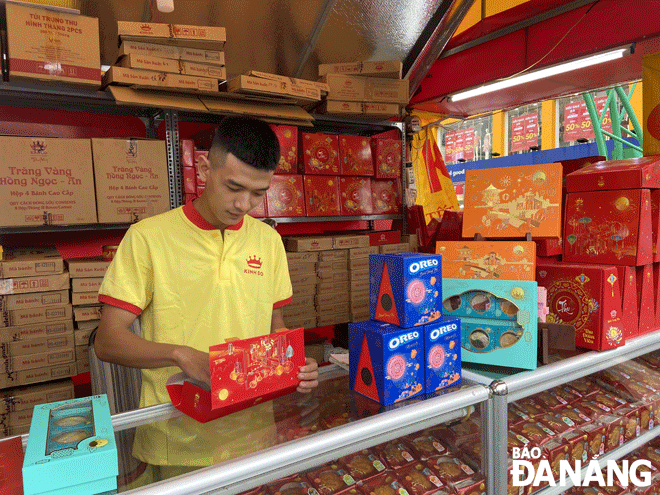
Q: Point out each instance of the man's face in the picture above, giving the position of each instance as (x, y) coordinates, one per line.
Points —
(231, 190)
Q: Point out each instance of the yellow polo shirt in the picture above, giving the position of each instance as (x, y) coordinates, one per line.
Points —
(193, 287)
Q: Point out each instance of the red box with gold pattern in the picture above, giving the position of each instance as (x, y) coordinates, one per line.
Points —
(11, 463)
(189, 180)
(655, 223)
(513, 201)
(387, 158)
(187, 152)
(587, 297)
(611, 227)
(646, 299)
(287, 135)
(629, 314)
(285, 198)
(319, 154)
(502, 260)
(656, 286)
(386, 196)
(259, 211)
(629, 173)
(355, 155)
(355, 195)
(321, 195)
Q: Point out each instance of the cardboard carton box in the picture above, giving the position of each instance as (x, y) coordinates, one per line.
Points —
(158, 64)
(86, 313)
(271, 87)
(350, 242)
(84, 298)
(367, 89)
(36, 330)
(513, 201)
(399, 247)
(93, 267)
(503, 260)
(355, 196)
(334, 255)
(45, 181)
(30, 261)
(387, 158)
(81, 336)
(362, 109)
(213, 57)
(131, 179)
(304, 83)
(52, 46)
(381, 68)
(587, 297)
(22, 398)
(36, 346)
(39, 360)
(287, 135)
(34, 300)
(359, 264)
(302, 268)
(285, 197)
(319, 154)
(87, 284)
(302, 257)
(355, 155)
(34, 284)
(37, 375)
(200, 37)
(18, 317)
(141, 78)
(362, 253)
(296, 244)
(322, 196)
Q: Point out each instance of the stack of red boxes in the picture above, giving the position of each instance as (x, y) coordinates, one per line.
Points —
(611, 217)
(192, 182)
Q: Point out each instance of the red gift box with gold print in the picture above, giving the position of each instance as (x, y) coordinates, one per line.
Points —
(629, 312)
(189, 180)
(513, 201)
(187, 152)
(355, 155)
(587, 297)
(655, 223)
(285, 197)
(321, 195)
(646, 299)
(656, 287)
(386, 196)
(287, 135)
(387, 158)
(629, 173)
(610, 227)
(355, 195)
(260, 211)
(319, 154)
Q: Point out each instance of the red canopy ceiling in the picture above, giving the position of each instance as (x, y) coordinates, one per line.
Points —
(509, 42)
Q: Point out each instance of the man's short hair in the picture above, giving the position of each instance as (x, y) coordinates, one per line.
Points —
(250, 140)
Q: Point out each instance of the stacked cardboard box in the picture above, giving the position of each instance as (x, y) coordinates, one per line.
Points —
(36, 329)
(365, 89)
(169, 57)
(289, 88)
(301, 312)
(86, 277)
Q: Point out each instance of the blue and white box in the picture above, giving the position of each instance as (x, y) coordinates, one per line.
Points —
(442, 350)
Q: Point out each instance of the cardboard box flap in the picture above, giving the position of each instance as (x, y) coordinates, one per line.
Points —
(629, 173)
(191, 397)
(159, 99)
(279, 113)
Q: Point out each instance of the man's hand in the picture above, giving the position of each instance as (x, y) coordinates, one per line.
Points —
(308, 376)
(193, 363)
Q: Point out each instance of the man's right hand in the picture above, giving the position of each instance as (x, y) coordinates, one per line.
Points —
(193, 363)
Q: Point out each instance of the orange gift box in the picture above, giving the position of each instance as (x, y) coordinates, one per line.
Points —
(319, 154)
(321, 195)
(513, 201)
(386, 196)
(287, 135)
(355, 195)
(355, 155)
(243, 373)
(285, 197)
(501, 260)
(387, 158)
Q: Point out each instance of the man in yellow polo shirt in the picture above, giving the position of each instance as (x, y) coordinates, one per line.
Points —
(186, 274)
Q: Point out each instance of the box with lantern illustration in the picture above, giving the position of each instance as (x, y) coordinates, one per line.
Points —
(321, 195)
(405, 289)
(513, 201)
(355, 155)
(248, 371)
(498, 320)
(442, 354)
(287, 135)
(285, 196)
(387, 158)
(355, 195)
(71, 448)
(587, 297)
(319, 154)
(500, 260)
(608, 227)
(386, 362)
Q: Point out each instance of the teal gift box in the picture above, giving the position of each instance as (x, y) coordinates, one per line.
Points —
(71, 449)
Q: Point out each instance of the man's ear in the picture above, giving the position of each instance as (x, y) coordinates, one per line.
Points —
(203, 167)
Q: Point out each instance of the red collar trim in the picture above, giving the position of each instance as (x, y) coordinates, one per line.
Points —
(199, 221)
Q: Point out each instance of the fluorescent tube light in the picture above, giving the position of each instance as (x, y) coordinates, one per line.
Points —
(541, 74)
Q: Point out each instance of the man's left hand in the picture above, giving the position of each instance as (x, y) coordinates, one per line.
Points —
(308, 376)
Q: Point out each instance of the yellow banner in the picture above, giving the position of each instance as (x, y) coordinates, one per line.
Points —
(651, 103)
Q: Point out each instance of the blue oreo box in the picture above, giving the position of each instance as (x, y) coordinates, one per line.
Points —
(442, 351)
(405, 289)
(386, 362)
